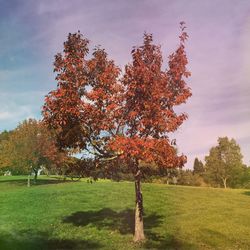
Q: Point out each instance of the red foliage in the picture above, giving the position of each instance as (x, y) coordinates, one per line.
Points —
(128, 117)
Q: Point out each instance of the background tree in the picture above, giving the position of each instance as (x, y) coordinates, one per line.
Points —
(29, 147)
(168, 175)
(224, 163)
(4, 163)
(4, 135)
(129, 119)
(75, 168)
(198, 167)
(245, 178)
(188, 178)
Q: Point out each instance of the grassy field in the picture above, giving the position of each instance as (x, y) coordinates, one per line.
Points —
(80, 215)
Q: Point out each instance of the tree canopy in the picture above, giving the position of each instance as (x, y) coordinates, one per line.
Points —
(30, 146)
(224, 162)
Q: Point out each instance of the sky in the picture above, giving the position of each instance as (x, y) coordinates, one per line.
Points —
(218, 50)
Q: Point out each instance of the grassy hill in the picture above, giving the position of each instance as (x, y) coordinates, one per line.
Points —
(80, 215)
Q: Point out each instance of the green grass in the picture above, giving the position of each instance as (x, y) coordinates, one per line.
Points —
(80, 215)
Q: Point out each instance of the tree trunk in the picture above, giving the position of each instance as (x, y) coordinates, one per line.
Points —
(35, 176)
(139, 229)
(225, 182)
(28, 181)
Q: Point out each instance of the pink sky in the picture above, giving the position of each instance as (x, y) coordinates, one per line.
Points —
(218, 50)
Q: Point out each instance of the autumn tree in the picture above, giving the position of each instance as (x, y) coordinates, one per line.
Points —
(30, 146)
(97, 109)
(4, 163)
(224, 163)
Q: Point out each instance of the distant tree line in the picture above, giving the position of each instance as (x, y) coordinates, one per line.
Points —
(223, 167)
(31, 147)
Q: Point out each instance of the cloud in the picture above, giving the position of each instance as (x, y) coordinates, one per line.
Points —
(4, 115)
(217, 49)
(15, 113)
(195, 138)
(16, 107)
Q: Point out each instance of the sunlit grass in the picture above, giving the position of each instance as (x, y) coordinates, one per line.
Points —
(79, 215)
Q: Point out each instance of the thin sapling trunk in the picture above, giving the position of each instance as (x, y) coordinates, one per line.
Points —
(139, 228)
(35, 176)
(28, 181)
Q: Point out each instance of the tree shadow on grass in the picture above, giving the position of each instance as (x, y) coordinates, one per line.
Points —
(247, 193)
(23, 182)
(123, 222)
(105, 218)
(35, 240)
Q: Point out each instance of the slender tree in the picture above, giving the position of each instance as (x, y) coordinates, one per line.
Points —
(129, 117)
